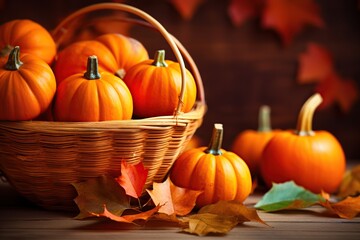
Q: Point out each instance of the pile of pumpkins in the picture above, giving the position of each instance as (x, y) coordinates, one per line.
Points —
(314, 160)
(107, 78)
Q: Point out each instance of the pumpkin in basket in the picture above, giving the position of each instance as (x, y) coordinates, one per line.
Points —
(249, 144)
(312, 159)
(93, 96)
(30, 36)
(116, 53)
(156, 84)
(221, 174)
(27, 86)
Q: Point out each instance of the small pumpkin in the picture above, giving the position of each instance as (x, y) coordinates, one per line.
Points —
(221, 174)
(313, 159)
(30, 36)
(249, 144)
(93, 96)
(156, 84)
(27, 86)
(116, 53)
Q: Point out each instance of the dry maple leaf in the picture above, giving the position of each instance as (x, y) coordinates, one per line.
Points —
(174, 200)
(350, 185)
(235, 209)
(241, 10)
(205, 223)
(129, 218)
(133, 178)
(186, 8)
(289, 17)
(348, 208)
(94, 193)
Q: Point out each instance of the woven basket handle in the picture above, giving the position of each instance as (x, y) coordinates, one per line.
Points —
(177, 48)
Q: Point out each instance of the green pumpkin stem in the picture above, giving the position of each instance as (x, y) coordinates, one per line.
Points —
(92, 71)
(216, 140)
(264, 119)
(159, 59)
(304, 124)
(14, 62)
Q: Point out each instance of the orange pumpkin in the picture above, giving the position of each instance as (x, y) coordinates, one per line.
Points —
(116, 52)
(31, 37)
(222, 175)
(27, 86)
(155, 86)
(249, 144)
(313, 159)
(93, 96)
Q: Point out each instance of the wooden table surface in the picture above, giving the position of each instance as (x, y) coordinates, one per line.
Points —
(21, 220)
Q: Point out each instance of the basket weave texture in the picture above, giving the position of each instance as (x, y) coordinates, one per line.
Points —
(41, 159)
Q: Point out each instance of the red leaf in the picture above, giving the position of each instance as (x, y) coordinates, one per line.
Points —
(241, 10)
(186, 8)
(315, 64)
(335, 89)
(174, 200)
(289, 17)
(133, 178)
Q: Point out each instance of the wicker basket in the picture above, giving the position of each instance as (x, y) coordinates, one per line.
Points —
(41, 159)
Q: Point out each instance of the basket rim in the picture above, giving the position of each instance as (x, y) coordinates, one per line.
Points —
(159, 122)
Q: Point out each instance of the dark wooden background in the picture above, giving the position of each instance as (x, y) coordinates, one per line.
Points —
(242, 67)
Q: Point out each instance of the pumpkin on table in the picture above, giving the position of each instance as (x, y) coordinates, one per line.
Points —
(155, 86)
(249, 144)
(313, 159)
(221, 174)
(30, 36)
(93, 96)
(116, 53)
(27, 86)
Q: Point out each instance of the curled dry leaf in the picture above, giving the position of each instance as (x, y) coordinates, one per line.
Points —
(350, 185)
(130, 218)
(347, 208)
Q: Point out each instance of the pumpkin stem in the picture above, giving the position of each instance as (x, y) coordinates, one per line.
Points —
(14, 62)
(92, 71)
(159, 59)
(216, 140)
(264, 119)
(304, 124)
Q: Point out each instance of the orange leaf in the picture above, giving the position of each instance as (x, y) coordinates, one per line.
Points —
(186, 8)
(241, 10)
(348, 208)
(174, 200)
(315, 64)
(130, 218)
(235, 209)
(289, 18)
(94, 193)
(133, 178)
(350, 185)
